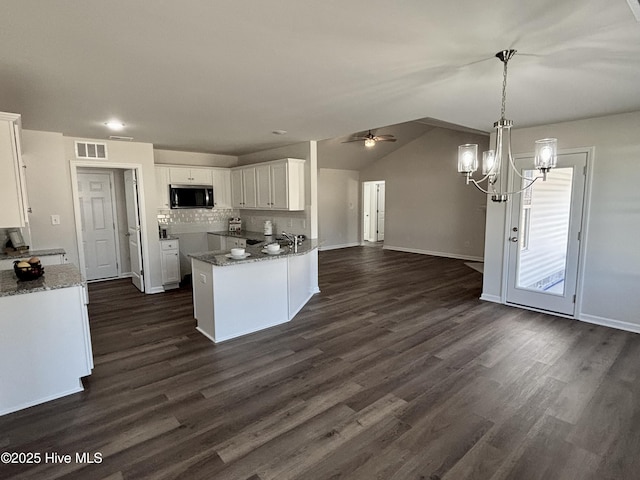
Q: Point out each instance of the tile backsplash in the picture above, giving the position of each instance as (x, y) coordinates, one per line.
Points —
(191, 219)
(203, 219)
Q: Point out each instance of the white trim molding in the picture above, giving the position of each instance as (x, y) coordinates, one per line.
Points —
(491, 298)
(435, 254)
(610, 322)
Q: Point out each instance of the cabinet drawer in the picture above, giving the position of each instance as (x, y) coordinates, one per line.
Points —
(169, 245)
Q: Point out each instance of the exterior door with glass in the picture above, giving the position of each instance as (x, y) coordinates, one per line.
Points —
(544, 235)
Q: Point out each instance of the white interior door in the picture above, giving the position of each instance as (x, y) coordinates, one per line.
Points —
(133, 229)
(95, 195)
(380, 212)
(366, 211)
(544, 240)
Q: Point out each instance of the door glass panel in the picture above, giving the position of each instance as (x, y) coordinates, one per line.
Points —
(543, 232)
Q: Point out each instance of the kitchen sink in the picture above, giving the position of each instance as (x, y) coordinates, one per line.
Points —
(253, 242)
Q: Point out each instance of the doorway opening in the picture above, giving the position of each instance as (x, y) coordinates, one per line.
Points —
(373, 212)
(109, 223)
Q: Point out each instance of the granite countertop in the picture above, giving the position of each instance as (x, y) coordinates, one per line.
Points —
(55, 276)
(24, 254)
(218, 258)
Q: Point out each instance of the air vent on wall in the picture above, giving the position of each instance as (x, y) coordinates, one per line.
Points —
(91, 150)
(121, 138)
(635, 8)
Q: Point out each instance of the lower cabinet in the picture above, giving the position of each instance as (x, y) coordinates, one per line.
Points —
(170, 263)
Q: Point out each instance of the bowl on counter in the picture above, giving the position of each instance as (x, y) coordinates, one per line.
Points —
(237, 252)
(273, 247)
(27, 270)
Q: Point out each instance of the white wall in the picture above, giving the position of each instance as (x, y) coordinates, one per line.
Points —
(172, 157)
(338, 208)
(610, 238)
(49, 191)
(305, 222)
(429, 209)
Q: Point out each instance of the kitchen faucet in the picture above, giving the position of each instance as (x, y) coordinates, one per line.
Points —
(293, 239)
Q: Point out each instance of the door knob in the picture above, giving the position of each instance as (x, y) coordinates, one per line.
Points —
(513, 239)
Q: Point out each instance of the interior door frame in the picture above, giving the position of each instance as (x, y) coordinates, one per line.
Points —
(74, 165)
(114, 213)
(586, 215)
(373, 215)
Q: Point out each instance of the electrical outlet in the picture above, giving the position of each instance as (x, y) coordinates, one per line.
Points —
(55, 219)
(304, 224)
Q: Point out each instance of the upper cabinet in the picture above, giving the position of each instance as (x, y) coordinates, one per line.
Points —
(279, 185)
(13, 192)
(162, 187)
(221, 178)
(190, 176)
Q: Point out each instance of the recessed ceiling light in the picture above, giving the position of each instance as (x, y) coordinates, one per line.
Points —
(114, 125)
(279, 132)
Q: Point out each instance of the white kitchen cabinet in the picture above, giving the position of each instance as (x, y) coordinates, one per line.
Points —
(13, 192)
(221, 180)
(232, 242)
(263, 186)
(190, 176)
(243, 187)
(276, 185)
(162, 187)
(222, 242)
(170, 263)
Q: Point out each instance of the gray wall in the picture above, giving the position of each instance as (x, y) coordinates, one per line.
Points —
(428, 207)
(611, 270)
(172, 157)
(49, 191)
(338, 208)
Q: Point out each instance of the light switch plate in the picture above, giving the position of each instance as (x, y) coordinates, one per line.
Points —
(55, 219)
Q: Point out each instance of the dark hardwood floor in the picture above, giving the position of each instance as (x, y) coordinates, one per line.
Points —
(395, 371)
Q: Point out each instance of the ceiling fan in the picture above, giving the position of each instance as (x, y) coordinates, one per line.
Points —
(370, 139)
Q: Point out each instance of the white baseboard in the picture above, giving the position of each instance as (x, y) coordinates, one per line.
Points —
(206, 334)
(435, 254)
(155, 290)
(490, 298)
(335, 247)
(609, 322)
(48, 398)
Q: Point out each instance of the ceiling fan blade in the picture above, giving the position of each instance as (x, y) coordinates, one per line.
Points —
(386, 139)
(355, 140)
(383, 136)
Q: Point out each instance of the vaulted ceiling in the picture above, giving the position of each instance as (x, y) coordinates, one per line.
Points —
(219, 76)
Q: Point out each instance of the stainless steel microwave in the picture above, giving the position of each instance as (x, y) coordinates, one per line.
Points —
(191, 196)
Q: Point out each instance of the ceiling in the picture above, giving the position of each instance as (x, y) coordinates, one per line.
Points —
(219, 76)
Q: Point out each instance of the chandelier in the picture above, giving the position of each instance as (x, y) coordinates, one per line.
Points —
(545, 151)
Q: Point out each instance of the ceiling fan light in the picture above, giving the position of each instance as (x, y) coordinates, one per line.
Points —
(546, 153)
(467, 158)
(369, 142)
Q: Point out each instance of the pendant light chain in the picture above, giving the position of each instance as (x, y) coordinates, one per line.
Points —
(504, 90)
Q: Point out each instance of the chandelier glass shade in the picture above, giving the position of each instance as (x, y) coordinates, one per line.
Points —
(492, 160)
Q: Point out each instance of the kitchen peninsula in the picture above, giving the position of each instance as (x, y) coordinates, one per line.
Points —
(234, 297)
(45, 345)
